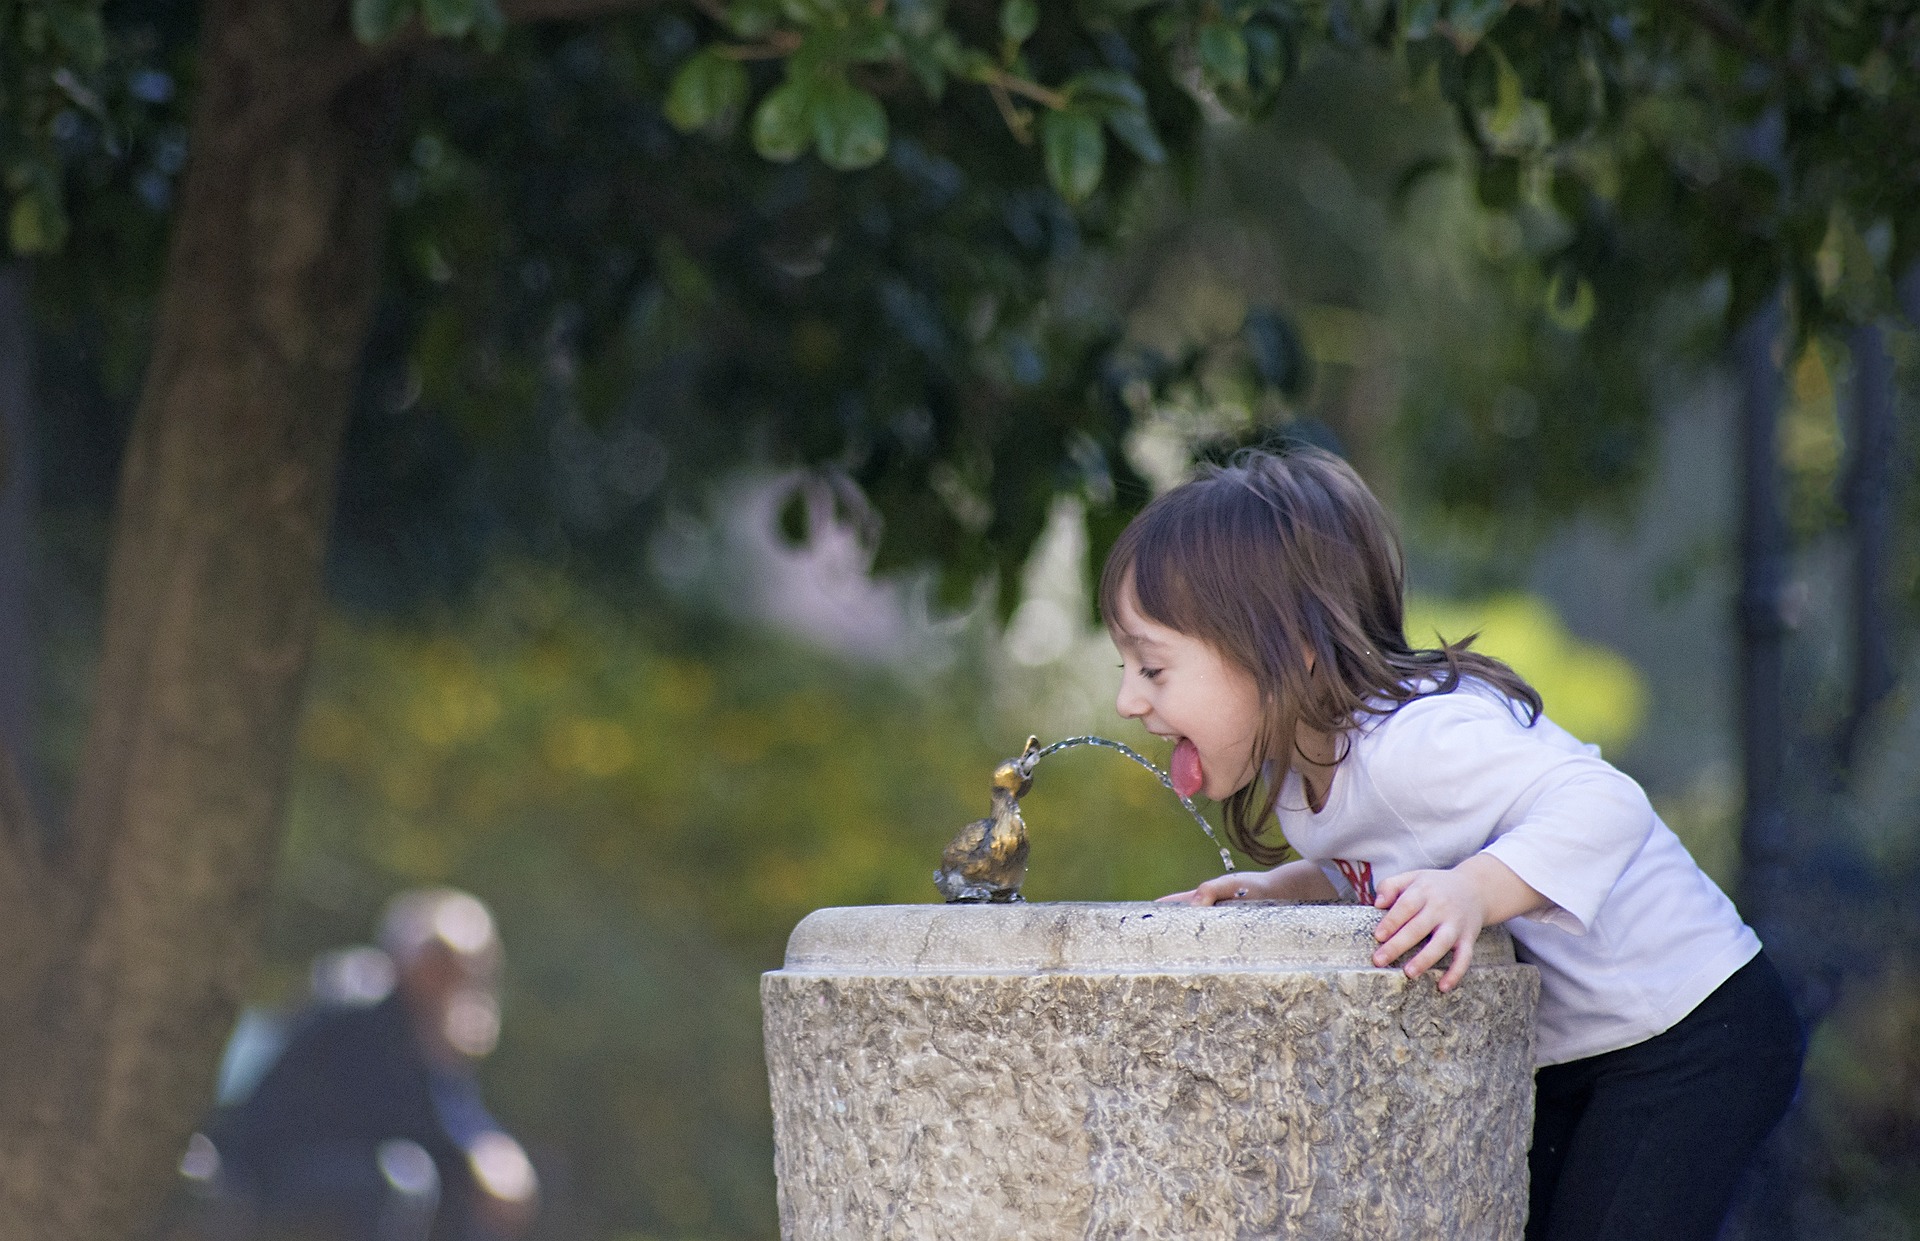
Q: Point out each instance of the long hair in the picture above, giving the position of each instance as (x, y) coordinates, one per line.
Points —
(1274, 555)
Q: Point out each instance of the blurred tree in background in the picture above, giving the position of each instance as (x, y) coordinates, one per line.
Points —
(565, 266)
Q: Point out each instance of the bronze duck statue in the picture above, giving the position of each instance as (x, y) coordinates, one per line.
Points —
(987, 859)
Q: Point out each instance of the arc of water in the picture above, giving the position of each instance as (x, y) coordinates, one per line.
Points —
(1066, 743)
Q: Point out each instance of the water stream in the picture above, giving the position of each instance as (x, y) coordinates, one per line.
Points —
(1067, 743)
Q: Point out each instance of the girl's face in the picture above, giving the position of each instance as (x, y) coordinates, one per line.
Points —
(1181, 688)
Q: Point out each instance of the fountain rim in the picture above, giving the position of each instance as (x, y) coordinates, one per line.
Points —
(1100, 937)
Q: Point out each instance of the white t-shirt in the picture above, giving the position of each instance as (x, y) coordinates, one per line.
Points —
(1637, 934)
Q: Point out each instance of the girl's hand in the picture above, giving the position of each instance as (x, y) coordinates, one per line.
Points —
(1220, 890)
(1289, 881)
(1442, 907)
(1447, 908)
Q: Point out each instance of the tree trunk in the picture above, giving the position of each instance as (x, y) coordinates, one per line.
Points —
(17, 470)
(126, 949)
(1869, 506)
(1764, 847)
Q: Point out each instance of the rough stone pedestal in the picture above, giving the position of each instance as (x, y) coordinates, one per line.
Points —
(1129, 1070)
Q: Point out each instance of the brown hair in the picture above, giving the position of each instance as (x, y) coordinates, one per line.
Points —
(1268, 557)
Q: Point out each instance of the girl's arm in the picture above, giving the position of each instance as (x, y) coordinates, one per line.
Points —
(1544, 830)
(1289, 881)
(1447, 908)
(1462, 774)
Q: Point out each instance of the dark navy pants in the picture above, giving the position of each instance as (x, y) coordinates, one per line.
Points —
(1651, 1141)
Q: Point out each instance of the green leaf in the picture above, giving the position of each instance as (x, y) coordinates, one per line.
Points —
(76, 28)
(927, 60)
(450, 19)
(1499, 181)
(918, 19)
(1132, 127)
(1414, 176)
(1418, 17)
(1370, 15)
(32, 29)
(971, 63)
(1510, 98)
(36, 225)
(849, 126)
(752, 19)
(1076, 152)
(1105, 86)
(1266, 55)
(1469, 20)
(1570, 301)
(780, 129)
(375, 21)
(489, 24)
(1223, 55)
(869, 40)
(1019, 19)
(707, 92)
(1575, 96)
(1876, 75)
(1570, 194)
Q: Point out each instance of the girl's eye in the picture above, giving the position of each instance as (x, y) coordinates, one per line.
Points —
(1150, 673)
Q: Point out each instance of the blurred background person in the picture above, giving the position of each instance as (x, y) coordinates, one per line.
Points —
(369, 1122)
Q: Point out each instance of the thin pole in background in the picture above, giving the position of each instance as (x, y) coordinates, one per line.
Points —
(18, 502)
(1764, 843)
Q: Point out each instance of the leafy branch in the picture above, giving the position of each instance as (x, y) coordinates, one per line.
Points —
(819, 107)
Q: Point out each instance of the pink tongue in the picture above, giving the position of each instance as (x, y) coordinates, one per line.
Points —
(1185, 769)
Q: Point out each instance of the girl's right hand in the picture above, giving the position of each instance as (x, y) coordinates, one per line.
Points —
(1220, 890)
(1289, 881)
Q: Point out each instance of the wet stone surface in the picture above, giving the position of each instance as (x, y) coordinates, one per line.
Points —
(1238, 1072)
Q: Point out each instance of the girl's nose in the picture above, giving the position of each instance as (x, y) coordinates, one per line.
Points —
(1127, 702)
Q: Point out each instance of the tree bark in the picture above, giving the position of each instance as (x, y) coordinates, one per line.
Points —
(17, 470)
(1906, 294)
(1764, 846)
(1869, 507)
(126, 948)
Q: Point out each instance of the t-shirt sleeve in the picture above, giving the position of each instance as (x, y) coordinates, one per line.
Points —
(1467, 776)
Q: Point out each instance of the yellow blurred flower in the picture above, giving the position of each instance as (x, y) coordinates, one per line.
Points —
(593, 747)
(1592, 692)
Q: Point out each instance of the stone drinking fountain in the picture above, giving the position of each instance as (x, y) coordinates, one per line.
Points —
(989, 1069)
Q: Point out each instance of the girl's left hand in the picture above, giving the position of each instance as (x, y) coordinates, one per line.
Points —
(1443, 907)
(1447, 908)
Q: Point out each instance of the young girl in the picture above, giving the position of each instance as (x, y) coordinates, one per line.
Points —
(1258, 610)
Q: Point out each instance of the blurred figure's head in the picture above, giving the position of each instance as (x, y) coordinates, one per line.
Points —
(446, 958)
